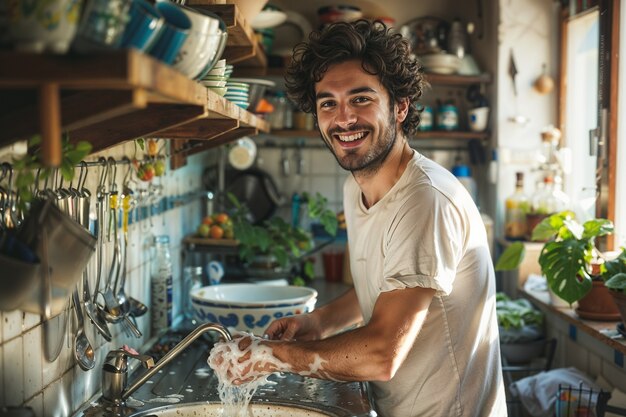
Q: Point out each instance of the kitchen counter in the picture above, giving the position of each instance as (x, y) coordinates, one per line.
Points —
(189, 379)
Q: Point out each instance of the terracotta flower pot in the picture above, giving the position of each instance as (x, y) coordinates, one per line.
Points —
(598, 304)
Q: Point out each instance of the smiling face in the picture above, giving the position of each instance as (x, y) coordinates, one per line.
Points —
(355, 117)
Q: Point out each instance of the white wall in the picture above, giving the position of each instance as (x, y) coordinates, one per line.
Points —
(528, 29)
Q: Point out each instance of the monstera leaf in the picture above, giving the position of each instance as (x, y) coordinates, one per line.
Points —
(563, 264)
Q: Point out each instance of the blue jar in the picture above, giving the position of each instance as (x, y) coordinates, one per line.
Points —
(448, 117)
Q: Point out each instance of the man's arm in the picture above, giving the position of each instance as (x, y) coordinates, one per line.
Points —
(340, 314)
(371, 352)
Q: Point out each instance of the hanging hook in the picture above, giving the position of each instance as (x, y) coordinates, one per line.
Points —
(112, 184)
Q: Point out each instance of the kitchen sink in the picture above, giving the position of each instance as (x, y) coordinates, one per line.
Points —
(267, 409)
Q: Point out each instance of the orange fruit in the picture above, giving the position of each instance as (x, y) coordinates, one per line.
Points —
(221, 218)
(207, 220)
(216, 232)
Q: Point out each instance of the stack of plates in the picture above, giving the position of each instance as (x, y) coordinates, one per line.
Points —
(216, 78)
(238, 93)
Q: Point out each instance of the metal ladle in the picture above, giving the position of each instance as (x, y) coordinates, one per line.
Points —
(83, 351)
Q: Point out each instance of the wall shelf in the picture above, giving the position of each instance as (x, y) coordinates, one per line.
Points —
(457, 80)
(242, 47)
(435, 134)
(110, 98)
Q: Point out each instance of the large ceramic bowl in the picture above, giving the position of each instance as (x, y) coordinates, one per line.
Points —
(250, 307)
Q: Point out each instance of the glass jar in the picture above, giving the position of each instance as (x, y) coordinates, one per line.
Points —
(161, 285)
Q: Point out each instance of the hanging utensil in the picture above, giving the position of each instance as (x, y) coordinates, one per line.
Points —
(83, 350)
(513, 72)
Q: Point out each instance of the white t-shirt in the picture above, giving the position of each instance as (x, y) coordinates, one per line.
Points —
(426, 231)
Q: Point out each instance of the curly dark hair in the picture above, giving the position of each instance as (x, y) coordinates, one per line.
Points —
(382, 53)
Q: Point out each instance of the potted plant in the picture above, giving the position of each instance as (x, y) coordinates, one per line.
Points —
(521, 332)
(276, 246)
(569, 259)
(616, 284)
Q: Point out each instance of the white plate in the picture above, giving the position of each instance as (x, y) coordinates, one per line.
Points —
(268, 19)
(294, 30)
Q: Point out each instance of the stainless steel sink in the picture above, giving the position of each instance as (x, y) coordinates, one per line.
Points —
(204, 409)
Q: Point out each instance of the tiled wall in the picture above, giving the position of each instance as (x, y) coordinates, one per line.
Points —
(60, 387)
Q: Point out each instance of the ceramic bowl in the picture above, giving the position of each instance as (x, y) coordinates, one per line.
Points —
(250, 307)
(39, 26)
(441, 63)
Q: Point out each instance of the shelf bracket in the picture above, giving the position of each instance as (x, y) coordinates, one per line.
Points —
(50, 123)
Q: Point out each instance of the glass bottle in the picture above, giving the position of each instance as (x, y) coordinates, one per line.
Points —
(517, 207)
(161, 285)
(192, 280)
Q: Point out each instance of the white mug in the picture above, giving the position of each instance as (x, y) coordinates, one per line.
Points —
(242, 154)
(477, 119)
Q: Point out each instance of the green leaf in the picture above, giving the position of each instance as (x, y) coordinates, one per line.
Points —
(563, 264)
(614, 266)
(67, 170)
(34, 141)
(546, 229)
(597, 227)
(142, 143)
(512, 257)
(308, 269)
(617, 282)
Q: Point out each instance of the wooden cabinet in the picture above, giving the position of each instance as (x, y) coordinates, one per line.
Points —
(110, 98)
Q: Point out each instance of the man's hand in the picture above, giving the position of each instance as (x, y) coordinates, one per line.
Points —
(300, 327)
(232, 361)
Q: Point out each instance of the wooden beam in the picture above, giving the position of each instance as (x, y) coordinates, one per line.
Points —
(77, 111)
(199, 129)
(141, 123)
(195, 147)
(177, 158)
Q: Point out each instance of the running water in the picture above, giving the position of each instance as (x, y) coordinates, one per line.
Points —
(240, 372)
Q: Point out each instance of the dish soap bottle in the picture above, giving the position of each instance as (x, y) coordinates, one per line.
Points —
(517, 207)
(161, 285)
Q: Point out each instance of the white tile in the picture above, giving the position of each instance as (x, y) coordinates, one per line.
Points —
(323, 162)
(33, 375)
(36, 404)
(325, 185)
(56, 400)
(13, 372)
(12, 324)
(53, 370)
(614, 375)
(30, 321)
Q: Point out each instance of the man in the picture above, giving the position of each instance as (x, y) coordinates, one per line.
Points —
(423, 277)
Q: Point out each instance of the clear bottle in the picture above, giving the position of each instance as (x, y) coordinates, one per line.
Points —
(161, 285)
(192, 280)
(550, 199)
(277, 117)
(517, 207)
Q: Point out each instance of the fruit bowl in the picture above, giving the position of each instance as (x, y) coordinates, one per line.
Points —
(250, 307)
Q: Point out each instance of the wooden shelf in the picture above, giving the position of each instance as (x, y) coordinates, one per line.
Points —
(111, 98)
(457, 80)
(435, 134)
(242, 46)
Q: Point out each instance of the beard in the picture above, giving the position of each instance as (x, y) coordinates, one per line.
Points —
(374, 158)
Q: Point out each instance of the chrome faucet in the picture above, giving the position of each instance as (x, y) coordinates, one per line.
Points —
(114, 370)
